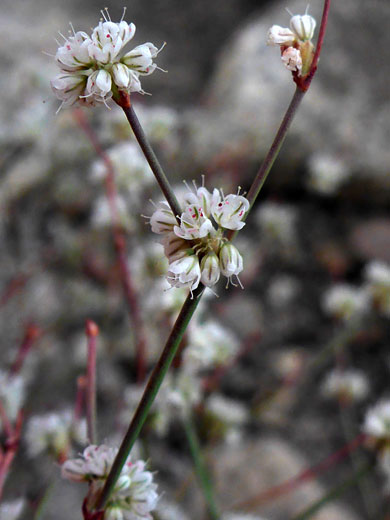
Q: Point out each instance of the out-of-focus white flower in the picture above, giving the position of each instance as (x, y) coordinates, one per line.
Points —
(326, 173)
(345, 301)
(280, 36)
(231, 412)
(377, 275)
(163, 220)
(377, 421)
(241, 516)
(12, 394)
(282, 290)
(292, 59)
(167, 510)
(53, 432)
(101, 213)
(277, 222)
(134, 495)
(209, 344)
(184, 272)
(347, 385)
(12, 510)
(94, 63)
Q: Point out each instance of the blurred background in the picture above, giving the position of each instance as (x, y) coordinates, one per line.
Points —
(316, 295)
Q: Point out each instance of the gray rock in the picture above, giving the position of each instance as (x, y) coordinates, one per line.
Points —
(346, 113)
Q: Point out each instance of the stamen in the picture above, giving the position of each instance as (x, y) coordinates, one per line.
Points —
(48, 54)
(108, 14)
(71, 26)
(289, 12)
(123, 15)
(161, 70)
(194, 184)
(307, 8)
(66, 39)
(104, 16)
(203, 177)
(161, 48)
(239, 281)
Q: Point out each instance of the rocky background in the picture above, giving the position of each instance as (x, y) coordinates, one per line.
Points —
(224, 96)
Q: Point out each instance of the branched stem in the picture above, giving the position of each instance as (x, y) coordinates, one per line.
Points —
(200, 467)
(166, 188)
(152, 387)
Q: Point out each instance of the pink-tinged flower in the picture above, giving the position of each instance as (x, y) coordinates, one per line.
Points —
(280, 36)
(210, 271)
(203, 198)
(162, 221)
(230, 211)
(193, 224)
(184, 272)
(73, 55)
(292, 59)
(230, 260)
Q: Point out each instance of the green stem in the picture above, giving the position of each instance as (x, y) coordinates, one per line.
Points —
(150, 393)
(334, 493)
(166, 188)
(200, 467)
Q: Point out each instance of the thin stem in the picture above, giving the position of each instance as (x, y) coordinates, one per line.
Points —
(125, 104)
(200, 467)
(152, 387)
(80, 398)
(334, 493)
(129, 290)
(31, 335)
(307, 474)
(320, 41)
(92, 332)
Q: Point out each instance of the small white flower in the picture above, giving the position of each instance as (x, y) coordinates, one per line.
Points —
(344, 301)
(210, 271)
(69, 88)
(193, 224)
(280, 36)
(303, 26)
(326, 173)
(230, 260)
(73, 55)
(377, 275)
(230, 211)
(184, 272)
(99, 85)
(277, 222)
(140, 58)
(348, 384)
(292, 59)
(121, 75)
(12, 394)
(108, 39)
(377, 421)
(163, 221)
(241, 516)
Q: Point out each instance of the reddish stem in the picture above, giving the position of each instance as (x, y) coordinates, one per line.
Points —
(12, 288)
(11, 448)
(80, 397)
(33, 332)
(92, 332)
(120, 248)
(7, 425)
(308, 474)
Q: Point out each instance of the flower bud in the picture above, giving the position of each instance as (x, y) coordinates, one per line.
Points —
(162, 220)
(210, 271)
(141, 58)
(280, 36)
(99, 84)
(121, 75)
(303, 26)
(230, 260)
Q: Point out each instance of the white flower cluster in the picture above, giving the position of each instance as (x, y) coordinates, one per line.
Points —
(348, 385)
(377, 275)
(277, 222)
(93, 67)
(196, 249)
(295, 42)
(53, 432)
(326, 173)
(377, 421)
(134, 495)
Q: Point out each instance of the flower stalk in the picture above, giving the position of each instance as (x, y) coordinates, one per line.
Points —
(92, 332)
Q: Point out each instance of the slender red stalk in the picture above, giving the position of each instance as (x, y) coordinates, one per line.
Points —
(308, 474)
(32, 333)
(7, 425)
(92, 332)
(12, 288)
(11, 448)
(120, 248)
